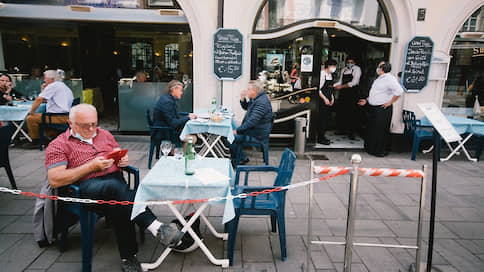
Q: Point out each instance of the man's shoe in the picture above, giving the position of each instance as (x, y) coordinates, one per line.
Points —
(31, 145)
(242, 162)
(131, 265)
(169, 235)
(351, 136)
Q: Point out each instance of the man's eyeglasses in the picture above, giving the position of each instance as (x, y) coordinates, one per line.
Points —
(86, 126)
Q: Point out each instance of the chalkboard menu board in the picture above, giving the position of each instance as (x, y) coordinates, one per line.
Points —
(227, 54)
(416, 66)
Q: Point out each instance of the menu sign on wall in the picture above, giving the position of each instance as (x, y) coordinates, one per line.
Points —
(416, 67)
(227, 54)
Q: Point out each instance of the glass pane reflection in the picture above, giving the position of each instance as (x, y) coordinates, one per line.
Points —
(365, 15)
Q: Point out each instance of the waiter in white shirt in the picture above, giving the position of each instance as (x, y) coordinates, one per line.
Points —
(348, 87)
(384, 91)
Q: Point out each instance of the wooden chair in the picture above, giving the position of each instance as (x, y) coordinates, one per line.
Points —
(47, 123)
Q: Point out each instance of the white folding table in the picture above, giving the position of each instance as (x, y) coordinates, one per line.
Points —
(167, 181)
(462, 126)
(211, 133)
(16, 115)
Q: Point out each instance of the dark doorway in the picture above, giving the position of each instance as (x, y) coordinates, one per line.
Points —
(322, 44)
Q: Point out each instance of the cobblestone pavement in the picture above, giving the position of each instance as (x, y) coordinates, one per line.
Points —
(386, 213)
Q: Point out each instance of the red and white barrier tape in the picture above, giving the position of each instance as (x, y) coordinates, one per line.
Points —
(166, 202)
(374, 172)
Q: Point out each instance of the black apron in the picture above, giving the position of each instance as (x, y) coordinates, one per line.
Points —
(346, 108)
(325, 110)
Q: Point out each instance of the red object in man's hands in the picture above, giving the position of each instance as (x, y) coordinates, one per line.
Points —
(116, 155)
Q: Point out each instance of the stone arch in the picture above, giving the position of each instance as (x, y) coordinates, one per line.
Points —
(459, 14)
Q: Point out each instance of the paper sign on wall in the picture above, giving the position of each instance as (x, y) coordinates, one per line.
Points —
(306, 63)
(440, 123)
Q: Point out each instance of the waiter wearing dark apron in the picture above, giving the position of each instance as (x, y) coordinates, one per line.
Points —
(346, 108)
(326, 100)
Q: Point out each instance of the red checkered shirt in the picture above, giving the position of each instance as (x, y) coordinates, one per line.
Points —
(69, 150)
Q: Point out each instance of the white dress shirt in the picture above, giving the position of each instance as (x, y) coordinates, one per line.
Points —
(323, 78)
(355, 71)
(383, 89)
(59, 97)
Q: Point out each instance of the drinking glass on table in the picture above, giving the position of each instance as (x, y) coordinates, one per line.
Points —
(166, 148)
(178, 153)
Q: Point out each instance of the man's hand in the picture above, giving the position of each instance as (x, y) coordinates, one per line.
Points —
(386, 105)
(124, 161)
(243, 94)
(362, 102)
(100, 163)
(338, 87)
(235, 132)
(326, 102)
(192, 116)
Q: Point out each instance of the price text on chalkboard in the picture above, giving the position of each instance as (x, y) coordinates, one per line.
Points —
(227, 54)
(416, 67)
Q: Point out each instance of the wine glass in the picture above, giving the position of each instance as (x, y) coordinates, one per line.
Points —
(166, 148)
(178, 153)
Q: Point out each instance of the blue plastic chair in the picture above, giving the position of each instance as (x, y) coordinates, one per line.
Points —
(251, 140)
(47, 123)
(416, 132)
(272, 204)
(6, 133)
(87, 219)
(158, 134)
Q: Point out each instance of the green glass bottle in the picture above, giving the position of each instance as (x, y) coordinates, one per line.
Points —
(189, 158)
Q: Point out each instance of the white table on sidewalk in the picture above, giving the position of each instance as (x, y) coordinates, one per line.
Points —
(16, 115)
(462, 126)
(212, 144)
(167, 181)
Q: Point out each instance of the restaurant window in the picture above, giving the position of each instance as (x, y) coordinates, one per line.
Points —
(472, 24)
(171, 58)
(365, 15)
(141, 55)
(466, 71)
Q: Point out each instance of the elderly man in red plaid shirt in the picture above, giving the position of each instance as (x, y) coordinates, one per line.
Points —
(77, 156)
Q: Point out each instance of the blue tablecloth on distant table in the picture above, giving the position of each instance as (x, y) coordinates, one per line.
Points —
(223, 128)
(462, 125)
(167, 181)
(15, 113)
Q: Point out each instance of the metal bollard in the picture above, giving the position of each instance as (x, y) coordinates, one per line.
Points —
(300, 135)
(350, 223)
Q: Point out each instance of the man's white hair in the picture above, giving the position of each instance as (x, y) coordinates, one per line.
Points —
(80, 108)
(256, 84)
(52, 74)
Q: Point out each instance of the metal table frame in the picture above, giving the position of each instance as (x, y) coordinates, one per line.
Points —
(187, 228)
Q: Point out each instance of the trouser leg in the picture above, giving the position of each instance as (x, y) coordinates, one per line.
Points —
(113, 187)
(33, 124)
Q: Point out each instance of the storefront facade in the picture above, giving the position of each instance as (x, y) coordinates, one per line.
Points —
(381, 27)
(443, 20)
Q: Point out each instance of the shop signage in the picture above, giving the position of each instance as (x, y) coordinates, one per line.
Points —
(227, 54)
(478, 52)
(306, 63)
(416, 65)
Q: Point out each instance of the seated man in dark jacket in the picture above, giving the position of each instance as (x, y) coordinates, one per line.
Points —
(166, 110)
(257, 121)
